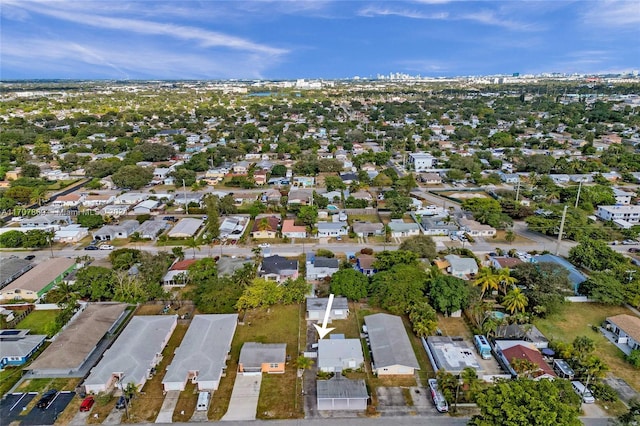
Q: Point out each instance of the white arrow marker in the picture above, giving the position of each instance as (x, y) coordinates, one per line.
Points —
(323, 331)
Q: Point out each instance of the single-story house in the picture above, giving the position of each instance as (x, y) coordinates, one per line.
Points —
(461, 267)
(77, 344)
(37, 281)
(364, 264)
(452, 354)
(185, 228)
(317, 306)
(400, 229)
(177, 275)
(112, 232)
(319, 267)
(362, 195)
(303, 181)
(291, 230)
(69, 200)
(339, 354)
(96, 200)
(500, 262)
(134, 355)
(17, 346)
(265, 227)
(151, 229)
(515, 349)
(45, 221)
(435, 227)
(332, 229)
(431, 178)
(368, 229)
(340, 393)
(391, 350)
(146, 207)
(272, 196)
(256, 358)
(202, 354)
(131, 198)
(115, 210)
(11, 268)
(476, 229)
(300, 196)
(232, 227)
(70, 234)
(626, 328)
(278, 268)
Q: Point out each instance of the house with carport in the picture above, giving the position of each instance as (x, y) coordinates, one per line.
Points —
(391, 350)
(202, 356)
(626, 328)
(133, 357)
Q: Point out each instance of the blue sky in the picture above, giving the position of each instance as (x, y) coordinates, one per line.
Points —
(113, 39)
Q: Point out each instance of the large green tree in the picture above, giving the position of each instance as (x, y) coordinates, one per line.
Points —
(350, 283)
(595, 255)
(95, 283)
(398, 288)
(526, 402)
(387, 259)
(422, 245)
(448, 294)
(133, 177)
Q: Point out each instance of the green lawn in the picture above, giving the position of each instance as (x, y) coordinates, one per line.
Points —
(576, 320)
(40, 322)
(280, 394)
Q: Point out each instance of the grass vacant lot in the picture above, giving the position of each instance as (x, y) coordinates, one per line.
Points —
(500, 239)
(146, 406)
(453, 326)
(280, 394)
(576, 320)
(39, 322)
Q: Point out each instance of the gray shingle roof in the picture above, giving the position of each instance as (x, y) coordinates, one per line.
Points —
(254, 354)
(334, 352)
(19, 344)
(203, 349)
(276, 264)
(390, 343)
(320, 303)
(325, 262)
(134, 350)
(341, 387)
(11, 268)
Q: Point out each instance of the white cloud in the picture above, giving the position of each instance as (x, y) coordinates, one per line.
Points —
(612, 13)
(205, 38)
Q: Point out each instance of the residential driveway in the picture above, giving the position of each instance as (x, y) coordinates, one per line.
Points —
(244, 398)
(168, 406)
(626, 392)
(80, 418)
(593, 411)
(114, 417)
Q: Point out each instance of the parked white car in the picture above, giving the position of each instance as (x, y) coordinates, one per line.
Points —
(106, 247)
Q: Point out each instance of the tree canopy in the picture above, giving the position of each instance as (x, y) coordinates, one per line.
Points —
(350, 283)
(133, 177)
(422, 245)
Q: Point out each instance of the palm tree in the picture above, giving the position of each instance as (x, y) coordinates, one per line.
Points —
(505, 280)
(178, 252)
(470, 382)
(515, 300)
(594, 367)
(304, 363)
(192, 243)
(510, 236)
(487, 280)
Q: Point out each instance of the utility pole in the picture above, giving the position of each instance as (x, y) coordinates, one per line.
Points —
(578, 197)
(564, 216)
(184, 191)
(518, 189)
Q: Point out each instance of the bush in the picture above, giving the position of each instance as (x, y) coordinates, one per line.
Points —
(634, 358)
(366, 250)
(325, 253)
(143, 217)
(603, 392)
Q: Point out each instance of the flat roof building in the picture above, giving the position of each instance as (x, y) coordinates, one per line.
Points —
(452, 354)
(185, 228)
(202, 355)
(134, 354)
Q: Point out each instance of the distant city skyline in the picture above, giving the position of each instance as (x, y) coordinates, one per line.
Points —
(315, 39)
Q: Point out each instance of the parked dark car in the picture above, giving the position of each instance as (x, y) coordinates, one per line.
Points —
(634, 250)
(122, 402)
(46, 399)
(29, 257)
(91, 248)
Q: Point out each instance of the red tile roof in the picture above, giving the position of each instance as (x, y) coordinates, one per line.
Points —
(534, 356)
(183, 265)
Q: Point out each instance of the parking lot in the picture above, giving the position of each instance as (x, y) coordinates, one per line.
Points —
(12, 405)
(48, 415)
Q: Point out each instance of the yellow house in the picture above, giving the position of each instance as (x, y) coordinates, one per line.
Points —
(13, 174)
(266, 227)
(257, 358)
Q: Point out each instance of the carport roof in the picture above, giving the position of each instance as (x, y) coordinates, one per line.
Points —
(341, 387)
(204, 348)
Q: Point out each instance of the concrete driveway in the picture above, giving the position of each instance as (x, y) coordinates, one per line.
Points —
(168, 406)
(244, 398)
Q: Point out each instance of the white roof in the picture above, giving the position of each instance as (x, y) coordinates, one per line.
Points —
(390, 343)
(186, 227)
(332, 352)
(204, 348)
(134, 351)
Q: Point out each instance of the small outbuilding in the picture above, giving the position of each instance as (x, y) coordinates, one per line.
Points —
(340, 393)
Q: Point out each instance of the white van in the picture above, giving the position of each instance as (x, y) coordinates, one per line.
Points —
(203, 401)
(582, 390)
